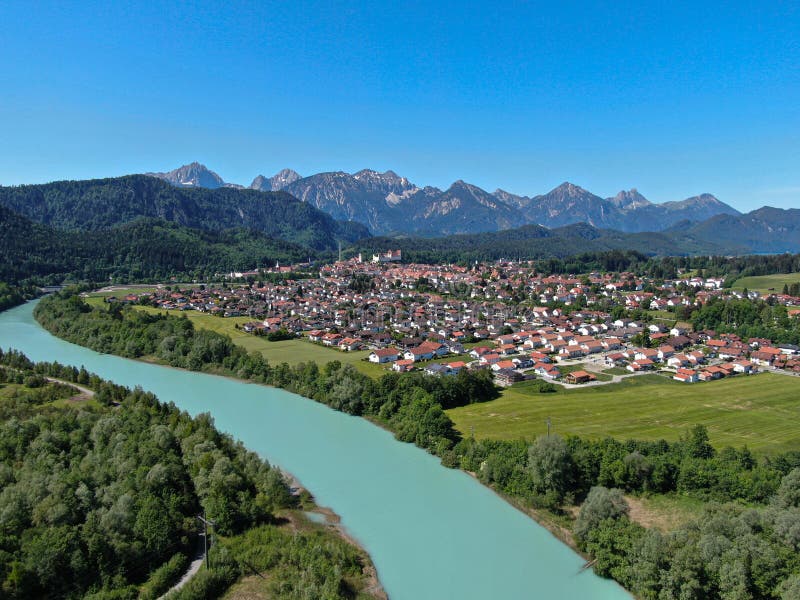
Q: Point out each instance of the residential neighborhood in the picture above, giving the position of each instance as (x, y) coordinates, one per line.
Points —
(502, 316)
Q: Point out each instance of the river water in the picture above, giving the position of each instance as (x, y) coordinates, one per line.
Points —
(433, 533)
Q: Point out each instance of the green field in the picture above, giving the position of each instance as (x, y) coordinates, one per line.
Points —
(288, 351)
(122, 292)
(767, 283)
(761, 411)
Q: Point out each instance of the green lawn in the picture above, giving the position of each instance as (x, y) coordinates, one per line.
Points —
(616, 371)
(761, 411)
(664, 317)
(763, 283)
(570, 368)
(122, 292)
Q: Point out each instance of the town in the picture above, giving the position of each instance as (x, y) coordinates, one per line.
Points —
(590, 329)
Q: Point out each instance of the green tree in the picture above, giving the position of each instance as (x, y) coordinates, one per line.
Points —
(551, 466)
(788, 494)
(602, 503)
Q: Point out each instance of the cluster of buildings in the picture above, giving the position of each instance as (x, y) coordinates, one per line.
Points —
(410, 314)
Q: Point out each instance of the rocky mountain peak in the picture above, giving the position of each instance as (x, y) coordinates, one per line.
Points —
(277, 182)
(385, 178)
(192, 175)
(570, 189)
(629, 199)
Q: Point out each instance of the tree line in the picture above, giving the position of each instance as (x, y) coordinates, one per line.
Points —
(747, 318)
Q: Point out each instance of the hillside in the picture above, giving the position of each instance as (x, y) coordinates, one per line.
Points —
(765, 230)
(142, 249)
(535, 241)
(102, 203)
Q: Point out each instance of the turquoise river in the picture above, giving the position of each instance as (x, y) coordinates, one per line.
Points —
(433, 533)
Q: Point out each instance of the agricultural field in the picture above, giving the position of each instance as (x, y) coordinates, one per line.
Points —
(760, 411)
(767, 283)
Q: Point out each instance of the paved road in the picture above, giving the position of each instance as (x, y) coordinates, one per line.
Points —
(83, 390)
(194, 567)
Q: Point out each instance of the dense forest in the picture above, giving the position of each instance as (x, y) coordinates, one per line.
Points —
(100, 496)
(535, 242)
(744, 543)
(13, 295)
(101, 204)
(146, 249)
(730, 268)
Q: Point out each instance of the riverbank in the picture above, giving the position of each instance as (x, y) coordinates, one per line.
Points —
(547, 520)
(543, 517)
(333, 521)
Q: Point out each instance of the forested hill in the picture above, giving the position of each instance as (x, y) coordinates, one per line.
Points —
(535, 241)
(102, 203)
(140, 250)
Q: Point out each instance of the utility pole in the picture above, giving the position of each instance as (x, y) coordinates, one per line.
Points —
(206, 523)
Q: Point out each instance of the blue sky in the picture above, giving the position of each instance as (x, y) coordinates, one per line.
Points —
(673, 100)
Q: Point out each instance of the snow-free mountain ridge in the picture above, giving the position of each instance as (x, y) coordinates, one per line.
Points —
(390, 204)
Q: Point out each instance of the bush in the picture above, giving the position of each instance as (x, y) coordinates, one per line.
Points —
(207, 584)
(164, 577)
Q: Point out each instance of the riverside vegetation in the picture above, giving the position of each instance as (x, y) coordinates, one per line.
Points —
(100, 495)
(743, 544)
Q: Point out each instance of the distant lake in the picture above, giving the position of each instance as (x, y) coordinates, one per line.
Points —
(433, 533)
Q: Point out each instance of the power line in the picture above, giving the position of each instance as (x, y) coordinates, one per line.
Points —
(206, 523)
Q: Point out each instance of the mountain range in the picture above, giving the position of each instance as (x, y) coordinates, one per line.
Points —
(140, 226)
(390, 204)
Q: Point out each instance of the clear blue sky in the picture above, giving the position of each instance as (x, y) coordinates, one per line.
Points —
(674, 99)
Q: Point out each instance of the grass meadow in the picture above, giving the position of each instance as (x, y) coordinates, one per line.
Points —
(760, 411)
